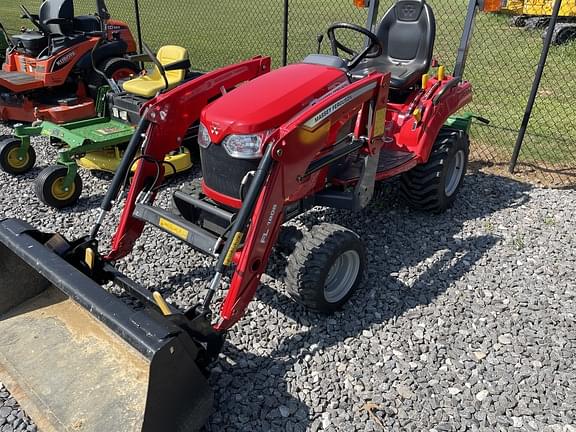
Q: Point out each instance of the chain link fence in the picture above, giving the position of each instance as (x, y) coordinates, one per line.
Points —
(501, 64)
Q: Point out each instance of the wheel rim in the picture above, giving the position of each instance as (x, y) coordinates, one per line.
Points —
(15, 161)
(60, 192)
(455, 173)
(342, 276)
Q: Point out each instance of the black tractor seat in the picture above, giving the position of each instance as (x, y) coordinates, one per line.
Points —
(407, 33)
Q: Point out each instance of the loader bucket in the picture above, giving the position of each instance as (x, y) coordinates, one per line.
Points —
(77, 358)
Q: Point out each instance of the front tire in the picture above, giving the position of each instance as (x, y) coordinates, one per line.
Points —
(433, 186)
(50, 187)
(10, 161)
(326, 267)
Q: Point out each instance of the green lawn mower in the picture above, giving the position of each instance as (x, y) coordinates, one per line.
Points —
(98, 144)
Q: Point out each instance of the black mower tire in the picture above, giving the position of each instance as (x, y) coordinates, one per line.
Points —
(433, 186)
(49, 190)
(9, 147)
(110, 67)
(325, 247)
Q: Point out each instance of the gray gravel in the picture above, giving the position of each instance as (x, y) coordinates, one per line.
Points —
(466, 321)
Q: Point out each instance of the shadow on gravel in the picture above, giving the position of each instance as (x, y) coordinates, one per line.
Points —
(397, 239)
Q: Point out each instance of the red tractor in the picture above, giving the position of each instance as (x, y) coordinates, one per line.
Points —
(49, 73)
(321, 132)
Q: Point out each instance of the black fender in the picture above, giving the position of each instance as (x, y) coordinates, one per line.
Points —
(110, 49)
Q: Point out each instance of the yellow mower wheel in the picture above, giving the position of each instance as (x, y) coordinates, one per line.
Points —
(51, 190)
(11, 162)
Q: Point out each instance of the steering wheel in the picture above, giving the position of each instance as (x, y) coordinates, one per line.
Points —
(34, 21)
(156, 62)
(373, 50)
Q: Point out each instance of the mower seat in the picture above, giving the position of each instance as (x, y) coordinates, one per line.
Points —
(58, 9)
(149, 85)
(407, 33)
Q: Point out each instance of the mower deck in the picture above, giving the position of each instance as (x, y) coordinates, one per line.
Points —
(61, 111)
(99, 130)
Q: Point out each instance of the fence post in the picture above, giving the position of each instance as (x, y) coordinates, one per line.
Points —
(535, 86)
(285, 34)
(138, 23)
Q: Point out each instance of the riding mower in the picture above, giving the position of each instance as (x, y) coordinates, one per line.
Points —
(49, 74)
(98, 143)
(320, 132)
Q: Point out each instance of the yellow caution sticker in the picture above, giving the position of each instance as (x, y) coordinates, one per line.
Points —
(380, 122)
(172, 228)
(233, 248)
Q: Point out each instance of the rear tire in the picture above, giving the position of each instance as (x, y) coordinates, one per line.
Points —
(9, 160)
(116, 68)
(50, 189)
(434, 185)
(326, 267)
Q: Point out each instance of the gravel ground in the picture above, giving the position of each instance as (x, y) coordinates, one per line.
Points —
(466, 321)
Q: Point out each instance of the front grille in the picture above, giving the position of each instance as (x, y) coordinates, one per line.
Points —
(222, 172)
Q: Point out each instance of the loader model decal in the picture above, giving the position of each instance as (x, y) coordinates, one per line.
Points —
(322, 115)
(265, 235)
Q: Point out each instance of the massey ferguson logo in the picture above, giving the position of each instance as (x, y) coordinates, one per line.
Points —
(65, 59)
(214, 130)
(322, 115)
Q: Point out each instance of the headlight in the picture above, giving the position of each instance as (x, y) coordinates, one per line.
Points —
(245, 146)
(203, 137)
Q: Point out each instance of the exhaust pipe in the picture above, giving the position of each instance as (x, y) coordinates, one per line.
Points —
(78, 358)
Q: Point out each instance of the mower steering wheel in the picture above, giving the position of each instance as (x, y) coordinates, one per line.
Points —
(34, 21)
(156, 62)
(373, 50)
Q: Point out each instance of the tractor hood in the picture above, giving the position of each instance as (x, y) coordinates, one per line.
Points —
(270, 100)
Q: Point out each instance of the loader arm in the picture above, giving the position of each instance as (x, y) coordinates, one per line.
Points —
(293, 149)
(170, 116)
